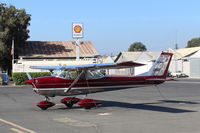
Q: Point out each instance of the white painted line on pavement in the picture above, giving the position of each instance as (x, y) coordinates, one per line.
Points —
(16, 130)
(104, 114)
(17, 126)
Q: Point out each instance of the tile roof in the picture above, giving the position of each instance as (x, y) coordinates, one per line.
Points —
(133, 56)
(183, 52)
(56, 49)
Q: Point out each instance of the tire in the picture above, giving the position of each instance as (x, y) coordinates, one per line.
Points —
(88, 107)
(69, 105)
(43, 108)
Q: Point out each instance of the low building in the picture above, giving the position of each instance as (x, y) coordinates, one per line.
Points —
(144, 57)
(194, 60)
(183, 60)
(53, 53)
(186, 60)
(110, 59)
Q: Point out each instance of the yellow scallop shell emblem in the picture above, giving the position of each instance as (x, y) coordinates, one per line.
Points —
(77, 28)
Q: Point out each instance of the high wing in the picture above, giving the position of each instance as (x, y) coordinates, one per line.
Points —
(126, 64)
(47, 67)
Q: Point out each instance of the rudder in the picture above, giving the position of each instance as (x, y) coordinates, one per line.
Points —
(160, 67)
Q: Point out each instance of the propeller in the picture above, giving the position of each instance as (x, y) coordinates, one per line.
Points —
(28, 75)
(30, 80)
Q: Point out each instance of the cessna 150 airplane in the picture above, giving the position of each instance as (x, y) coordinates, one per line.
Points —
(85, 79)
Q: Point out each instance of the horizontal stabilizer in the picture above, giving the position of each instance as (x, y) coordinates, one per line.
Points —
(161, 79)
(156, 79)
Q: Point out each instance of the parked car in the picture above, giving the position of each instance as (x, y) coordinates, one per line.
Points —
(169, 74)
(179, 74)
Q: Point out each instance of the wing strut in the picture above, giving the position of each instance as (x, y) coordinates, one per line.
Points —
(74, 82)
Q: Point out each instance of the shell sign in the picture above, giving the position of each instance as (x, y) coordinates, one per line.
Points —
(77, 30)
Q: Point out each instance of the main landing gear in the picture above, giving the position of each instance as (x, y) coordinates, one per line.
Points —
(89, 103)
(69, 102)
(85, 103)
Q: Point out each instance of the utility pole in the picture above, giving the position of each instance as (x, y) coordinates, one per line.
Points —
(176, 46)
(77, 49)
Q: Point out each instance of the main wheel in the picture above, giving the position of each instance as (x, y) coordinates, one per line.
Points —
(69, 101)
(88, 107)
(69, 104)
(43, 108)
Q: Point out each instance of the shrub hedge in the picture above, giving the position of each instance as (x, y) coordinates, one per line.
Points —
(20, 77)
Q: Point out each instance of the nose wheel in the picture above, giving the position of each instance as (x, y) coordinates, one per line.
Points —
(45, 104)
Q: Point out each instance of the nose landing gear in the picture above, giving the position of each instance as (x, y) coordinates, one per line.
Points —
(45, 104)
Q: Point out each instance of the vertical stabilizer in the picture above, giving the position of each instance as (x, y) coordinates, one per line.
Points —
(160, 67)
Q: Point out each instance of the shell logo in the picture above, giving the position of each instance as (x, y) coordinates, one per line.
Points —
(77, 29)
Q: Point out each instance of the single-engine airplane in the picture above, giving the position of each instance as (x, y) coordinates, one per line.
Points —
(85, 79)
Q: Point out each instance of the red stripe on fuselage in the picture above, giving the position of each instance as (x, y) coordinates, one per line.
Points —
(55, 82)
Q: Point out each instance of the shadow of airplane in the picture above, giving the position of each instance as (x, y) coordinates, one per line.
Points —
(145, 106)
(180, 102)
(153, 106)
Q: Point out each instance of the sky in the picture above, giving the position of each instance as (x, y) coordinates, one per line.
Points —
(112, 25)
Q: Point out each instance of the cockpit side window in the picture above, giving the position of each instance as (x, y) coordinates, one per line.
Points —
(92, 74)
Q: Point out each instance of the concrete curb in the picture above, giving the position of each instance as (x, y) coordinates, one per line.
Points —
(12, 86)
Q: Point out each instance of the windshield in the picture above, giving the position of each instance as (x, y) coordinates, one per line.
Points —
(55, 73)
(68, 74)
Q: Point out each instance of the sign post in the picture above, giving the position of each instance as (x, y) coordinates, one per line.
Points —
(77, 33)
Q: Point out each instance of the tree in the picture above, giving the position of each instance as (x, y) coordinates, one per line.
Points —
(13, 24)
(195, 42)
(137, 46)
